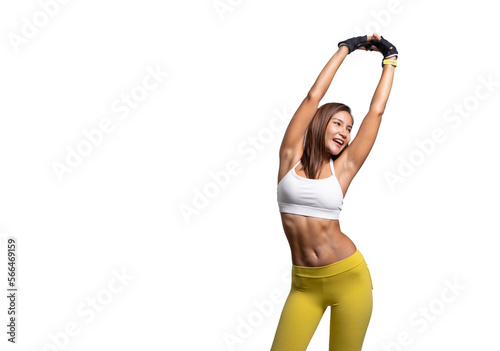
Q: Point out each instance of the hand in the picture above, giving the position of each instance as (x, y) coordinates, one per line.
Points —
(369, 45)
(380, 44)
(354, 43)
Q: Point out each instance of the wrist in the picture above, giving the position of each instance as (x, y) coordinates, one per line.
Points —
(344, 49)
(391, 61)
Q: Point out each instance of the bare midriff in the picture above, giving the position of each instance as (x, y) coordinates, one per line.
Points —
(316, 241)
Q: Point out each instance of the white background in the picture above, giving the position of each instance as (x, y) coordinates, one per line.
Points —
(194, 281)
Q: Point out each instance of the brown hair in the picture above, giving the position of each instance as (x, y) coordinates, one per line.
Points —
(314, 144)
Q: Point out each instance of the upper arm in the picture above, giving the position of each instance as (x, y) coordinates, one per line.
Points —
(358, 150)
(293, 139)
(360, 147)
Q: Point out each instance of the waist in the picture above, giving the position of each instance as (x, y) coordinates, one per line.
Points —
(331, 269)
(315, 241)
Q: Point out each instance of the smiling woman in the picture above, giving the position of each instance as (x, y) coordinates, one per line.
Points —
(317, 164)
(331, 121)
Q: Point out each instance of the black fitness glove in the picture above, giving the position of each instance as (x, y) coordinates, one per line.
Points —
(355, 43)
(385, 47)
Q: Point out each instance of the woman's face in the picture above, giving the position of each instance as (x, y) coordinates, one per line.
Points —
(338, 132)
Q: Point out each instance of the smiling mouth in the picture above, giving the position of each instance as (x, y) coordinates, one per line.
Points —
(338, 142)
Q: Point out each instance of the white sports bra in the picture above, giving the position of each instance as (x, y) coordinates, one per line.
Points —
(321, 198)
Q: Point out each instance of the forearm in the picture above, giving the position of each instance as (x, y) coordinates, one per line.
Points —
(383, 90)
(325, 78)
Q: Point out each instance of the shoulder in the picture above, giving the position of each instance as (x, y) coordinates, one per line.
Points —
(345, 168)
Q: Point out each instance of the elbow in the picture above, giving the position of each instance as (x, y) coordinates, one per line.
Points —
(285, 152)
(377, 112)
(313, 96)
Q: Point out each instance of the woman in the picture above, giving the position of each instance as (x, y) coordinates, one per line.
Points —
(317, 164)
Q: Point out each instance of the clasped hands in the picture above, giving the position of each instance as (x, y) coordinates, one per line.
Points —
(371, 42)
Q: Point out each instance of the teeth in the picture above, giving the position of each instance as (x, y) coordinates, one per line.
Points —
(339, 141)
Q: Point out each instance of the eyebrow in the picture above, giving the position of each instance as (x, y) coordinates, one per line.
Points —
(349, 125)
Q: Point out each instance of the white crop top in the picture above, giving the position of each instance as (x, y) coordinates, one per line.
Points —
(321, 198)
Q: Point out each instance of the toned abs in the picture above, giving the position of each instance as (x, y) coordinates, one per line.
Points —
(315, 241)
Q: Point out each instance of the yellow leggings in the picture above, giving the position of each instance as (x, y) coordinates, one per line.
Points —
(346, 286)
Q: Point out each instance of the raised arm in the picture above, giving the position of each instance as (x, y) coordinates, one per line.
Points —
(293, 139)
(360, 147)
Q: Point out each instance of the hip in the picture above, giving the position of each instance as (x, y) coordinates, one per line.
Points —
(336, 279)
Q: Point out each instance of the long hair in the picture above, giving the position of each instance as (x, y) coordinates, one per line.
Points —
(314, 144)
